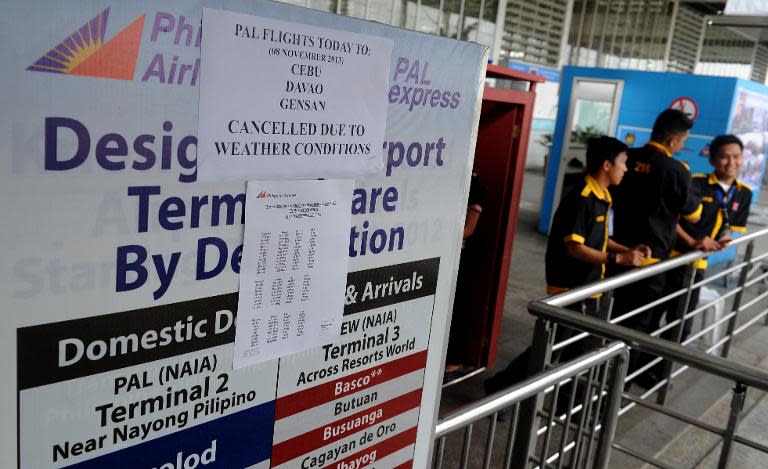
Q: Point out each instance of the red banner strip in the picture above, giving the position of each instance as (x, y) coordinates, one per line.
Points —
(327, 392)
(382, 449)
(342, 428)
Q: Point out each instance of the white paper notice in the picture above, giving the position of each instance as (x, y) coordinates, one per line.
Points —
(294, 267)
(286, 100)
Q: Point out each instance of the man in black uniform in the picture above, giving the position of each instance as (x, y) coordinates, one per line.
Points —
(652, 197)
(462, 302)
(725, 207)
(579, 248)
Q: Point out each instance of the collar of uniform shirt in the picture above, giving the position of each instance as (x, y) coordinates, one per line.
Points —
(594, 187)
(712, 180)
(660, 146)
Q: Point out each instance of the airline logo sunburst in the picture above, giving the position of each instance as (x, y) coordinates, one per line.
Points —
(86, 53)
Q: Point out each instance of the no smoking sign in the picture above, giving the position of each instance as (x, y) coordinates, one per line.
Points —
(687, 105)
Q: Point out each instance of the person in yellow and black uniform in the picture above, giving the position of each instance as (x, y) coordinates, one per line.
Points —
(652, 197)
(725, 201)
(579, 248)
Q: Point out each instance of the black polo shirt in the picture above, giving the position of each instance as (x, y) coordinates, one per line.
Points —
(582, 217)
(714, 223)
(650, 199)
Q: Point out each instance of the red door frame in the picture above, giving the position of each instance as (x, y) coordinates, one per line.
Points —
(502, 145)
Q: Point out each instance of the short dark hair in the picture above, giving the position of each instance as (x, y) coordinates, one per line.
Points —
(600, 149)
(670, 123)
(722, 140)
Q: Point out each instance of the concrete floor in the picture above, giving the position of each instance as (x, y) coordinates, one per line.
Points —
(695, 394)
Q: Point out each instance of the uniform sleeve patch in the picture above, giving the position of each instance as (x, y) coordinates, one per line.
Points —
(573, 237)
(695, 215)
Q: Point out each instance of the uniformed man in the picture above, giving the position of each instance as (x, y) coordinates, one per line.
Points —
(579, 248)
(725, 207)
(652, 197)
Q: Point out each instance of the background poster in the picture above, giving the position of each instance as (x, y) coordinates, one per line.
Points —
(120, 270)
(695, 153)
(750, 124)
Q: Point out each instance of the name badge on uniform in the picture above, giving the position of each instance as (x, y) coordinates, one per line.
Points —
(735, 206)
(610, 222)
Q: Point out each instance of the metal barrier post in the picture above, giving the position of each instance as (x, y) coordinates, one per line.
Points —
(465, 447)
(605, 312)
(677, 331)
(541, 353)
(440, 453)
(608, 431)
(737, 299)
(737, 404)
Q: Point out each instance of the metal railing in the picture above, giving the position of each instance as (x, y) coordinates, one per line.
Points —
(744, 305)
(585, 433)
(537, 417)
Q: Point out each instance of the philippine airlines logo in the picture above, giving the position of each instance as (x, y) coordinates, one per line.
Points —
(267, 195)
(85, 53)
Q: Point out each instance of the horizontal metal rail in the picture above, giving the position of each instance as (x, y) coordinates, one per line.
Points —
(526, 398)
(528, 388)
(738, 372)
(582, 293)
(552, 314)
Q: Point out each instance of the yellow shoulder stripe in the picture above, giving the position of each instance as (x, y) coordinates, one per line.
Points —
(695, 215)
(575, 238)
(744, 184)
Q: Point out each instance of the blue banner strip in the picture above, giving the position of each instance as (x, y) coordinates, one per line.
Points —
(241, 439)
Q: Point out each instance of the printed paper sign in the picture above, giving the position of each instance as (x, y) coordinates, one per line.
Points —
(286, 100)
(294, 267)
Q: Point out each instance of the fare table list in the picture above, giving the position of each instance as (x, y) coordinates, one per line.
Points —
(294, 267)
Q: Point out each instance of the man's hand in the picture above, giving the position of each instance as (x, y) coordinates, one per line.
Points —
(634, 257)
(724, 240)
(645, 250)
(707, 244)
